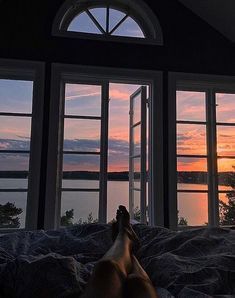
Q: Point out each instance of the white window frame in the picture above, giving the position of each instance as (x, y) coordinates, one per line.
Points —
(32, 71)
(211, 84)
(135, 6)
(62, 72)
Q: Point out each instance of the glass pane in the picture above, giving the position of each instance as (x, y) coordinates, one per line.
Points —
(82, 130)
(192, 209)
(15, 128)
(226, 208)
(226, 173)
(16, 96)
(136, 139)
(137, 205)
(137, 109)
(82, 180)
(11, 182)
(84, 206)
(129, 28)
(137, 172)
(115, 16)
(192, 173)
(13, 203)
(82, 100)
(191, 139)
(225, 108)
(191, 106)
(8, 144)
(118, 194)
(73, 163)
(100, 15)
(83, 23)
(14, 162)
(82, 145)
(119, 122)
(225, 140)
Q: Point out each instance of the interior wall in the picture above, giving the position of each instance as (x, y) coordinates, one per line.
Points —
(190, 46)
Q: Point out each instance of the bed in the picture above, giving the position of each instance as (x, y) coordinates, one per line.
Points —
(192, 263)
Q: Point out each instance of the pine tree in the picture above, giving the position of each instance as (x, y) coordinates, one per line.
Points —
(9, 216)
(227, 211)
(67, 218)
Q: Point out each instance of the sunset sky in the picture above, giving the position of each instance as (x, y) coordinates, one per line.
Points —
(191, 138)
(16, 96)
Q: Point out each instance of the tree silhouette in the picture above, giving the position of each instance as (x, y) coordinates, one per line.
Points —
(9, 215)
(227, 210)
(67, 218)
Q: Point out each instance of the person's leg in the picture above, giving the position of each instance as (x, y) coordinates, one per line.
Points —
(111, 271)
(138, 283)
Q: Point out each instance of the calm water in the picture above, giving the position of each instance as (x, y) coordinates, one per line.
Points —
(192, 206)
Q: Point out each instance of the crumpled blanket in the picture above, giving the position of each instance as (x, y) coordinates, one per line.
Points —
(194, 263)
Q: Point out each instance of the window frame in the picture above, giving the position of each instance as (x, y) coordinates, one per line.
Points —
(136, 9)
(210, 84)
(62, 72)
(31, 71)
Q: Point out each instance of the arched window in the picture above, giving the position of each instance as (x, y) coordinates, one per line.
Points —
(108, 20)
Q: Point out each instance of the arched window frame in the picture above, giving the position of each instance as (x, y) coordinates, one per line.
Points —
(136, 9)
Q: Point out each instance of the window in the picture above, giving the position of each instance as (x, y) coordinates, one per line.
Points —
(119, 20)
(97, 145)
(205, 153)
(20, 131)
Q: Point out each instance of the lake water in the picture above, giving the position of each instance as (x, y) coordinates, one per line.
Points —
(192, 206)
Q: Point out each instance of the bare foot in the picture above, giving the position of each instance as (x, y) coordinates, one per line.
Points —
(122, 224)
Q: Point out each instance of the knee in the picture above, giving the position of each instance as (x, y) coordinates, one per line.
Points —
(138, 286)
(105, 267)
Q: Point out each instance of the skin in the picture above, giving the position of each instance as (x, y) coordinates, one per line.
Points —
(119, 274)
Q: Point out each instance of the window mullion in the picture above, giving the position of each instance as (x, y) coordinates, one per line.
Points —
(118, 24)
(213, 206)
(104, 153)
(107, 20)
(95, 21)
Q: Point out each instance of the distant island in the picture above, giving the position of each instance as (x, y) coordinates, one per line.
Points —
(193, 177)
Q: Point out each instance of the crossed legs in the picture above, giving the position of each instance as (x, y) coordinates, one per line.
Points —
(118, 274)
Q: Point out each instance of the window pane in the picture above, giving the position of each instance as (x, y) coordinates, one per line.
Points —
(80, 180)
(100, 15)
(82, 100)
(225, 108)
(137, 205)
(190, 105)
(225, 140)
(14, 162)
(82, 130)
(129, 28)
(136, 139)
(226, 173)
(191, 139)
(226, 208)
(137, 109)
(192, 173)
(16, 96)
(13, 183)
(73, 163)
(17, 207)
(83, 23)
(115, 16)
(8, 144)
(193, 208)
(15, 128)
(118, 194)
(84, 204)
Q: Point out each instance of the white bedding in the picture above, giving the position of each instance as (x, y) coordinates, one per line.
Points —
(196, 263)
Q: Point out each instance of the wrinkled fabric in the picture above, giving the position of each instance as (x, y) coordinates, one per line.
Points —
(194, 263)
